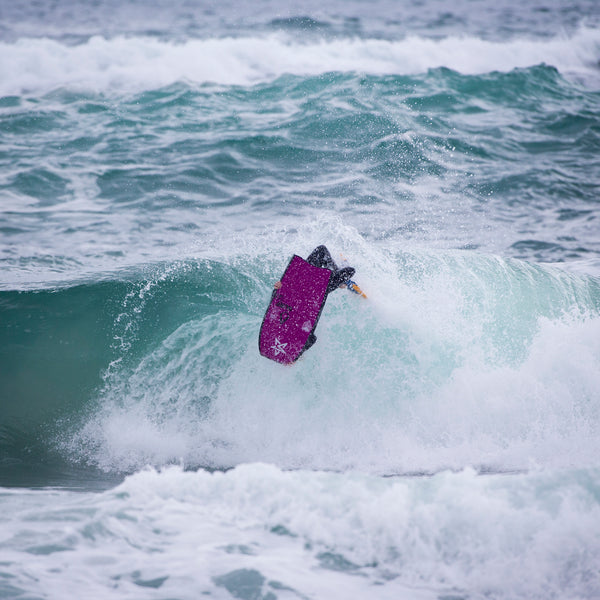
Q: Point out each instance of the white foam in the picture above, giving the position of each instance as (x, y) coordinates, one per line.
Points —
(309, 534)
(134, 63)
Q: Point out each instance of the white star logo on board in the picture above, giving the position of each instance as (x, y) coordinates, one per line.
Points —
(278, 347)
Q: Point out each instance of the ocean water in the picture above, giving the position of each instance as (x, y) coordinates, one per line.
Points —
(160, 161)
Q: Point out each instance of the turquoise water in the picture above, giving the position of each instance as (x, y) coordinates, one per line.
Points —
(159, 166)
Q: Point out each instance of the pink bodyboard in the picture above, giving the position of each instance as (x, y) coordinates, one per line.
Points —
(294, 311)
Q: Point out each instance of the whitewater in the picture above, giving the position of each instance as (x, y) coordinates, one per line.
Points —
(130, 63)
(159, 165)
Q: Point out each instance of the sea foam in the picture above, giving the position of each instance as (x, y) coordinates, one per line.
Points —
(134, 63)
(259, 529)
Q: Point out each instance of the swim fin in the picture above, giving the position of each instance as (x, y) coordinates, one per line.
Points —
(353, 287)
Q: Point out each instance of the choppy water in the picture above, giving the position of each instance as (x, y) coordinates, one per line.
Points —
(159, 165)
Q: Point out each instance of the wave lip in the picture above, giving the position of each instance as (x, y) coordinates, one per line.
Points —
(33, 65)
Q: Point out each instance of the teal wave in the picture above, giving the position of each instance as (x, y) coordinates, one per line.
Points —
(56, 345)
(170, 340)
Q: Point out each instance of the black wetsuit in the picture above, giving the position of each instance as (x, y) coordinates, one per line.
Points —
(321, 257)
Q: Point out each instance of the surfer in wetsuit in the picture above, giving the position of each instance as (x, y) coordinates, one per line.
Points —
(321, 257)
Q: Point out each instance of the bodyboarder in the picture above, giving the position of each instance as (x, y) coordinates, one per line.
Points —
(340, 278)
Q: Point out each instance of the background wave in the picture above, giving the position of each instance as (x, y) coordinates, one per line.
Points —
(134, 63)
(92, 181)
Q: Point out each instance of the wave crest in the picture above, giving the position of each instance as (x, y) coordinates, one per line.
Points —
(134, 63)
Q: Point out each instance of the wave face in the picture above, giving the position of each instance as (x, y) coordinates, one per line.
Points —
(160, 164)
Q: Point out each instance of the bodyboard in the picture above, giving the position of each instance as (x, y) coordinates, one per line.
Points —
(294, 311)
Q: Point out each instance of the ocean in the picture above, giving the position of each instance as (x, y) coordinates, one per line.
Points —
(160, 163)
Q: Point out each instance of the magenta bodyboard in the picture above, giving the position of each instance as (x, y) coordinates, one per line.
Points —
(294, 311)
